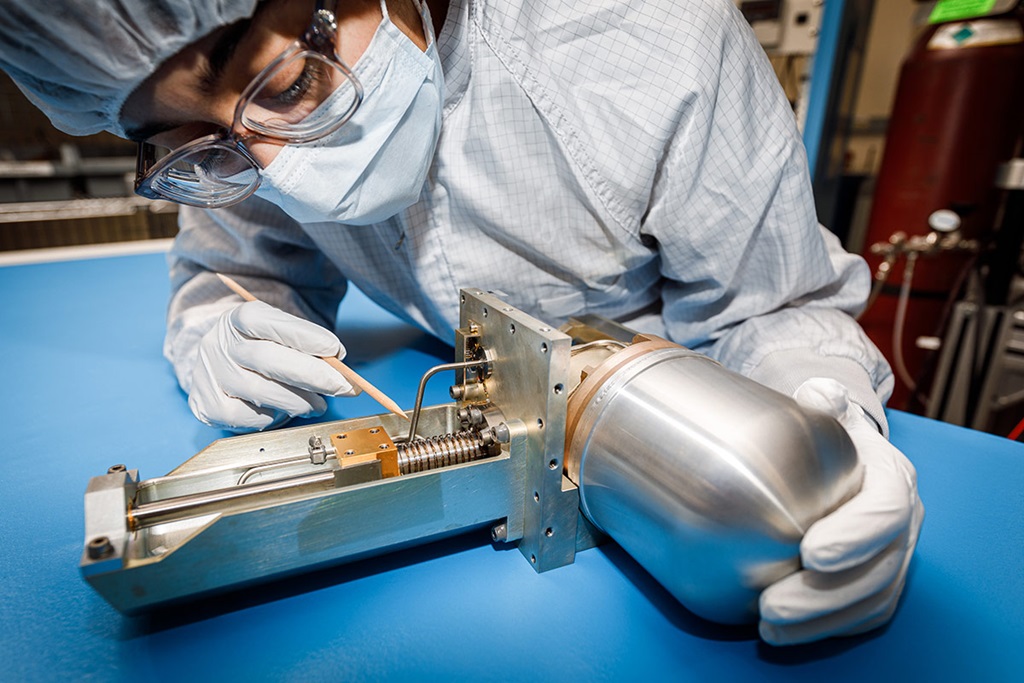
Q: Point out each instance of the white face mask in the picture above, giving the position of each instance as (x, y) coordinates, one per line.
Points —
(375, 165)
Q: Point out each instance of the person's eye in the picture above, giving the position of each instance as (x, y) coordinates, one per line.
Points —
(310, 78)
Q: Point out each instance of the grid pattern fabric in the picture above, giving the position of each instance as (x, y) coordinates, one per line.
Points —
(632, 160)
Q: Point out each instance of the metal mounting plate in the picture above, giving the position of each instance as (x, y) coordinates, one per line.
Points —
(530, 383)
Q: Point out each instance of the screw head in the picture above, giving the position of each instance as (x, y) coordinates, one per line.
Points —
(99, 547)
(501, 433)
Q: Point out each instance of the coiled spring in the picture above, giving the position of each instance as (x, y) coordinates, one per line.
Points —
(440, 451)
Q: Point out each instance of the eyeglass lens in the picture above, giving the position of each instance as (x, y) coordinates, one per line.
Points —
(208, 175)
(304, 97)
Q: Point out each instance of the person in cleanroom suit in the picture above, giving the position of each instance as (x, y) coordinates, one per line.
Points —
(633, 160)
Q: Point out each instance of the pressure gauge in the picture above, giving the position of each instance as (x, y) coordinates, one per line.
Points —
(944, 221)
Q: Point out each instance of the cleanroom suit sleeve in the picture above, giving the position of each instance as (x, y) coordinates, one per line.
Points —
(263, 249)
(752, 279)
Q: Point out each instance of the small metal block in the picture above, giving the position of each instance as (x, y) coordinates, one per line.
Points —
(317, 450)
(362, 445)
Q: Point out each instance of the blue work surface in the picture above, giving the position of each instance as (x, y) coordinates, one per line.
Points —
(85, 387)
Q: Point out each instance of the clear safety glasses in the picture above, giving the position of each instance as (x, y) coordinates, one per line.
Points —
(304, 94)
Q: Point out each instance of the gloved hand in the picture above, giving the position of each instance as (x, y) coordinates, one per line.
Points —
(854, 560)
(258, 367)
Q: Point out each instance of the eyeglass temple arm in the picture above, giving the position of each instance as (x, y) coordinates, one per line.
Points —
(144, 161)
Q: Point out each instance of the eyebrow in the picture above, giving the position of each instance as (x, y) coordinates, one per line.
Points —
(209, 81)
(221, 53)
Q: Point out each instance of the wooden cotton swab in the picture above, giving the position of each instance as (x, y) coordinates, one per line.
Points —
(348, 373)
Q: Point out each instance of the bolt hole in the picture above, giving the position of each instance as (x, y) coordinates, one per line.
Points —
(350, 452)
(543, 348)
(342, 436)
(383, 446)
(553, 465)
(549, 532)
(511, 329)
(463, 298)
(533, 559)
(99, 547)
(485, 312)
(536, 497)
(375, 430)
(540, 423)
(559, 388)
(116, 468)
(545, 329)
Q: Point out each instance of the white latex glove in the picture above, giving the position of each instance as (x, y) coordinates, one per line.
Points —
(259, 366)
(854, 560)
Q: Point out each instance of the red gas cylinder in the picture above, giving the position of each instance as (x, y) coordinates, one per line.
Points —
(958, 115)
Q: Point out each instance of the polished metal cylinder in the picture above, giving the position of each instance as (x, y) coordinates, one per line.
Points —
(708, 479)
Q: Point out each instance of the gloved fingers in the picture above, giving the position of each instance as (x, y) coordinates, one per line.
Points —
(812, 605)
(824, 394)
(215, 408)
(810, 595)
(263, 392)
(855, 559)
(274, 359)
(236, 415)
(786, 627)
(258, 320)
(290, 367)
(864, 525)
(225, 394)
(862, 617)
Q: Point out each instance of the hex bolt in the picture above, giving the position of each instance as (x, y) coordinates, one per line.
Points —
(501, 433)
(470, 416)
(99, 547)
(114, 469)
(317, 450)
(499, 533)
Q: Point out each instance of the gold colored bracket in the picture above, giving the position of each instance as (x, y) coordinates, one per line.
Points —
(360, 446)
